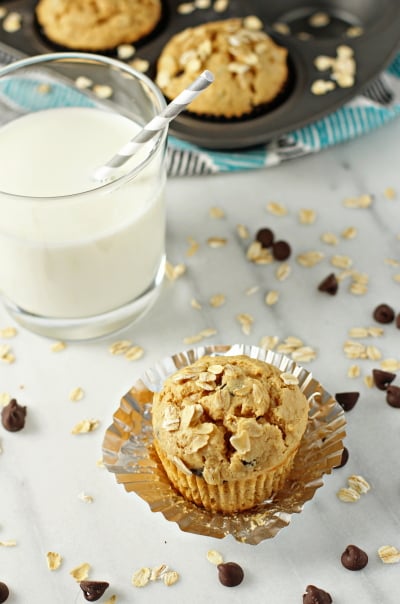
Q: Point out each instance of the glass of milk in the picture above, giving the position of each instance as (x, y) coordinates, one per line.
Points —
(78, 258)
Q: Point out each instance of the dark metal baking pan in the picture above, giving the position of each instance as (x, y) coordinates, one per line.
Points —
(376, 45)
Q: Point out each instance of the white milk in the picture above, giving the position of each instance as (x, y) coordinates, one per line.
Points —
(86, 254)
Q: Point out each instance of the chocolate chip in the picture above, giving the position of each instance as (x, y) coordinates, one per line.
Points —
(383, 313)
(354, 558)
(344, 459)
(329, 285)
(398, 321)
(13, 416)
(382, 379)
(265, 237)
(93, 590)
(347, 400)
(281, 250)
(230, 574)
(316, 595)
(393, 396)
(4, 592)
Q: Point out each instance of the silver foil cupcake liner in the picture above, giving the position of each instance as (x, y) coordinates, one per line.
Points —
(128, 452)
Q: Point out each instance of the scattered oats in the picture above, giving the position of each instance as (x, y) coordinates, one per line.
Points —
(204, 333)
(3, 12)
(363, 201)
(359, 332)
(85, 426)
(289, 379)
(214, 557)
(354, 31)
(396, 277)
(141, 65)
(389, 193)
(207, 333)
(141, 577)
(348, 495)
(220, 5)
(242, 231)
(329, 238)
(354, 350)
(103, 91)
(358, 483)
(277, 209)
(12, 22)
(5, 398)
(373, 353)
(358, 289)
(271, 297)
(258, 254)
(268, 342)
(307, 216)
(281, 28)
(193, 246)
(170, 577)
(349, 233)
(304, 354)
(186, 8)
(81, 572)
(174, 272)
(252, 22)
(392, 262)
(216, 212)
(100, 463)
(353, 371)
(344, 52)
(283, 271)
(6, 354)
(375, 332)
(217, 300)
(311, 258)
(369, 381)
(202, 4)
(43, 88)
(76, 394)
(58, 346)
(158, 571)
(8, 332)
(389, 554)
(120, 347)
(392, 365)
(53, 560)
(111, 600)
(134, 353)
(323, 62)
(319, 19)
(319, 87)
(8, 543)
(246, 321)
(83, 82)
(85, 498)
(252, 290)
(217, 241)
(341, 261)
(195, 304)
(125, 51)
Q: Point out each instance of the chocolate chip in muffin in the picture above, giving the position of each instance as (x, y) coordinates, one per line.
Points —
(4, 592)
(316, 595)
(13, 416)
(230, 574)
(354, 558)
(382, 379)
(347, 400)
(93, 590)
(265, 237)
(281, 250)
(383, 313)
(329, 285)
(344, 459)
(393, 396)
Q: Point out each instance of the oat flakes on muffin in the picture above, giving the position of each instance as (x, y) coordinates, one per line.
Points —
(97, 24)
(227, 429)
(250, 69)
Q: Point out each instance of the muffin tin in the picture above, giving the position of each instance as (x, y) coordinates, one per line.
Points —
(374, 47)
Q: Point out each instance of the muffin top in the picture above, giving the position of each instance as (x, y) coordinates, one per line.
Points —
(223, 418)
(97, 24)
(249, 68)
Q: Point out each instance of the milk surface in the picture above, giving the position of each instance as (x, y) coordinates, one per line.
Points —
(88, 253)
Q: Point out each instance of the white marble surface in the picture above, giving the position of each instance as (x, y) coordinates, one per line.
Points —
(44, 468)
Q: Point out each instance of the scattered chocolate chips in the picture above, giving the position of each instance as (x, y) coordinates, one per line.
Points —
(382, 379)
(383, 313)
(4, 592)
(347, 400)
(329, 285)
(230, 574)
(393, 396)
(13, 416)
(281, 250)
(316, 595)
(344, 459)
(265, 237)
(93, 590)
(354, 558)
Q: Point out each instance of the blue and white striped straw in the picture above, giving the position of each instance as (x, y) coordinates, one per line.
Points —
(155, 125)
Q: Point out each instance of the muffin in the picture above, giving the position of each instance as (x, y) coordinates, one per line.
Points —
(227, 429)
(98, 24)
(250, 69)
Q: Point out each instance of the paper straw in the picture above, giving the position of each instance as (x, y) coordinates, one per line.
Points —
(155, 125)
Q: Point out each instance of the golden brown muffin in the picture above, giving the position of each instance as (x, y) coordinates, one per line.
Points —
(250, 69)
(227, 429)
(97, 24)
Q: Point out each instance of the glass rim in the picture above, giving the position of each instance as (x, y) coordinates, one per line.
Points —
(92, 58)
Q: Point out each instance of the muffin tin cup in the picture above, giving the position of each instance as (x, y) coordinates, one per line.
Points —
(378, 26)
(128, 452)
